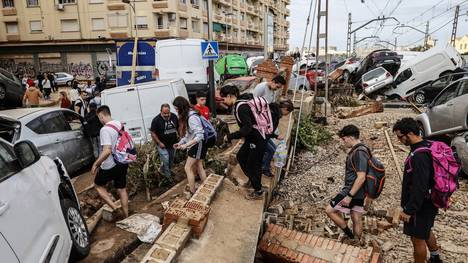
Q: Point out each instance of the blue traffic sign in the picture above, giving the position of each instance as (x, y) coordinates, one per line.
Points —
(145, 62)
(209, 50)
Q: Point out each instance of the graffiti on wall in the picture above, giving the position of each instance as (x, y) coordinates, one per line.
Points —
(81, 70)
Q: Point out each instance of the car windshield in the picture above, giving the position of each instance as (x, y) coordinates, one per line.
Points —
(373, 74)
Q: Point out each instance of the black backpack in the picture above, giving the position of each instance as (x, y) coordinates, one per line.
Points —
(375, 175)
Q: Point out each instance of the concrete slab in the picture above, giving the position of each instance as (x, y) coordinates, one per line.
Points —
(232, 230)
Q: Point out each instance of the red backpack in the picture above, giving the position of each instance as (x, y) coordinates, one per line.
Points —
(124, 151)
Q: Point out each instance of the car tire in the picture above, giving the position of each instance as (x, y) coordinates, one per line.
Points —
(69, 83)
(420, 98)
(2, 93)
(78, 230)
(346, 75)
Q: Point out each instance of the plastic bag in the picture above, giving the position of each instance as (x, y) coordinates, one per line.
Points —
(281, 154)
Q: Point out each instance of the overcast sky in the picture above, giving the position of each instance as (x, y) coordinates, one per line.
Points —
(410, 12)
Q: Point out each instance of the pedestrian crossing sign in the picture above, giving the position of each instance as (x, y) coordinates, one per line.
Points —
(210, 50)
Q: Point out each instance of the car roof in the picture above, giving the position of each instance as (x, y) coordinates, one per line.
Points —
(17, 114)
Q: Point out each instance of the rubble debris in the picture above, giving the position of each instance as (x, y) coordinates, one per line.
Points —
(375, 107)
(395, 159)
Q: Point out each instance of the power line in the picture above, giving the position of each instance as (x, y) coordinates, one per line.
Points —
(412, 19)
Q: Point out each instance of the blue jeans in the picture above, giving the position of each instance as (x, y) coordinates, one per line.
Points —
(166, 156)
(268, 156)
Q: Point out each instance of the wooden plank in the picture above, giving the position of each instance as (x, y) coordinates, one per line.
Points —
(392, 151)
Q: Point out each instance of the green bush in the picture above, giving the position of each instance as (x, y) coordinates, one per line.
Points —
(312, 134)
(143, 172)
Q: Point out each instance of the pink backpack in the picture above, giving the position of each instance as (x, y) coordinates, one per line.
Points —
(262, 114)
(124, 151)
(446, 170)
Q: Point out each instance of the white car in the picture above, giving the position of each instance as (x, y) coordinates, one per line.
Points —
(40, 218)
(376, 79)
(63, 78)
(348, 67)
(300, 80)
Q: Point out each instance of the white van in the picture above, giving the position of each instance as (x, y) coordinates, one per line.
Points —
(182, 58)
(127, 104)
(424, 68)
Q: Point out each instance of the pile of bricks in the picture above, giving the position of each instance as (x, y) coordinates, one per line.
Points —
(267, 70)
(284, 245)
(182, 220)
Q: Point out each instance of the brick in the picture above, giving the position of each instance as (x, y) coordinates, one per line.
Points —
(174, 237)
(201, 198)
(384, 225)
(331, 244)
(299, 257)
(343, 248)
(297, 236)
(163, 255)
(355, 252)
(303, 238)
(289, 233)
(375, 258)
(319, 242)
(308, 239)
(305, 259)
(325, 243)
(313, 241)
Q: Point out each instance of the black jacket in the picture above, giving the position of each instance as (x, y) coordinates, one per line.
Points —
(417, 183)
(93, 125)
(245, 119)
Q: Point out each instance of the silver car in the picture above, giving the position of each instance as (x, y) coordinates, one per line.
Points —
(63, 78)
(448, 112)
(55, 132)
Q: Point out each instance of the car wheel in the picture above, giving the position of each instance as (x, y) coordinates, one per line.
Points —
(2, 93)
(346, 75)
(78, 230)
(69, 83)
(420, 98)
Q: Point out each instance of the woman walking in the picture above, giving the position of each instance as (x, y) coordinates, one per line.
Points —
(190, 125)
(47, 86)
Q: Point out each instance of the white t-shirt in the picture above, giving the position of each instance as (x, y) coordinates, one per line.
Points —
(263, 90)
(109, 136)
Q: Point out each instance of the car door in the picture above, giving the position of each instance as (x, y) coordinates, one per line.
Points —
(36, 131)
(459, 106)
(29, 222)
(78, 141)
(440, 113)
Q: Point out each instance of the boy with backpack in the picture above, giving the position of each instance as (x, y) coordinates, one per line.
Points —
(254, 119)
(112, 164)
(352, 197)
(429, 179)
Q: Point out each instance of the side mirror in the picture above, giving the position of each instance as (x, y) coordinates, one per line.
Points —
(26, 152)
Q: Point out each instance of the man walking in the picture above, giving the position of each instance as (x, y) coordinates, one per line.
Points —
(351, 198)
(251, 153)
(419, 211)
(164, 133)
(268, 89)
(93, 126)
(32, 95)
(80, 105)
(105, 168)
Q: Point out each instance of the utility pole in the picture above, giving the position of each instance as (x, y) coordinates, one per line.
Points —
(211, 83)
(348, 36)
(426, 37)
(322, 13)
(395, 44)
(354, 43)
(265, 33)
(455, 25)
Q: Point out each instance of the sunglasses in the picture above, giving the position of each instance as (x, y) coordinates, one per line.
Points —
(401, 136)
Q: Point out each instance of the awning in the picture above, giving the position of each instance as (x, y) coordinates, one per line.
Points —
(217, 27)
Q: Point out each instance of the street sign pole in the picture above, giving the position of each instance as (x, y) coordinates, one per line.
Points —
(211, 82)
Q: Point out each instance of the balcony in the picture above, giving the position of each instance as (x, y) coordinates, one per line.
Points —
(161, 4)
(184, 33)
(218, 17)
(116, 6)
(250, 9)
(10, 11)
(165, 31)
(225, 2)
(13, 37)
(181, 7)
(243, 23)
(118, 34)
(234, 21)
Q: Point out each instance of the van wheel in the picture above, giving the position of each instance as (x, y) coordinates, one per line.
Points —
(420, 98)
(78, 230)
(2, 93)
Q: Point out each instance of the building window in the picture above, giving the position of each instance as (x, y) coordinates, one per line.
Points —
(66, 1)
(12, 27)
(36, 26)
(242, 16)
(159, 18)
(32, 3)
(195, 3)
(117, 20)
(195, 25)
(8, 3)
(205, 5)
(70, 25)
(205, 28)
(183, 1)
(98, 24)
(183, 23)
(141, 22)
(172, 19)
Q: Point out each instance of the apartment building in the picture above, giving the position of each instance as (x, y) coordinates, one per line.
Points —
(59, 34)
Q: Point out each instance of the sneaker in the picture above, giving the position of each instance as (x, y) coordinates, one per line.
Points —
(435, 259)
(255, 195)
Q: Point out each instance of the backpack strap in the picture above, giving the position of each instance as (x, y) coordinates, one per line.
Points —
(357, 148)
(115, 128)
(411, 155)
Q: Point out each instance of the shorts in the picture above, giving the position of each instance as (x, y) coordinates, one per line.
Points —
(356, 205)
(199, 150)
(117, 174)
(420, 224)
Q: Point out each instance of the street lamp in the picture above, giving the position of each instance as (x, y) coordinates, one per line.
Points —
(226, 14)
